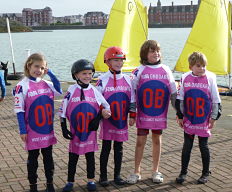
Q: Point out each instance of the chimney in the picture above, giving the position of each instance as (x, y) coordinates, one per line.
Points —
(172, 4)
(191, 2)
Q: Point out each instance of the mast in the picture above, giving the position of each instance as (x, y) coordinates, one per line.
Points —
(230, 43)
(11, 45)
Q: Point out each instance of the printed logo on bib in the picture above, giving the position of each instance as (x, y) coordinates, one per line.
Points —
(80, 119)
(153, 97)
(41, 115)
(196, 106)
(119, 106)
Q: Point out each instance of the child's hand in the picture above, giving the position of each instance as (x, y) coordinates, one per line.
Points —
(131, 121)
(45, 71)
(211, 123)
(180, 122)
(106, 113)
(24, 137)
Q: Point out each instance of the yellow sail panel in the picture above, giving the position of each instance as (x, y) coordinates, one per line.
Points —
(127, 28)
(210, 35)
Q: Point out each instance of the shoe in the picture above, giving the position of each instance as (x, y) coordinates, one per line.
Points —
(7, 84)
(104, 182)
(33, 188)
(119, 181)
(68, 187)
(50, 188)
(133, 178)
(157, 177)
(181, 178)
(204, 178)
(91, 186)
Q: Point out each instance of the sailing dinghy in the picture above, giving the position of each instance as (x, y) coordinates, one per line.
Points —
(211, 35)
(127, 28)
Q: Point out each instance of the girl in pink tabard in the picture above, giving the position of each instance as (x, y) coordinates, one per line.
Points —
(81, 104)
(117, 90)
(198, 106)
(34, 106)
(155, 86)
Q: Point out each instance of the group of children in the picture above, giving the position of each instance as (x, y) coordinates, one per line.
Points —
(143, 98)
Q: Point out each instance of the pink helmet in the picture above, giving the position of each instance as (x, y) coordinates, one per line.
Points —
(114, 53)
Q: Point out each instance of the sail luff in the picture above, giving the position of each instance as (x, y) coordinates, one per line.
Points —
(209, 35)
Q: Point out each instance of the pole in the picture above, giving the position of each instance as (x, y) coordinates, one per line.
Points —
(11, 45)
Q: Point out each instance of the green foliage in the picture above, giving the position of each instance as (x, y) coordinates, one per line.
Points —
(14, 26)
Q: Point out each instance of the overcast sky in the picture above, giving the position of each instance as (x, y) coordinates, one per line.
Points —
(73, 7)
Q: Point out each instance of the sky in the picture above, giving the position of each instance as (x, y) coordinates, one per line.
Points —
(74, 7)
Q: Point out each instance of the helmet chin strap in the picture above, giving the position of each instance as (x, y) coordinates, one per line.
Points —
(114, 72)
(83, 86)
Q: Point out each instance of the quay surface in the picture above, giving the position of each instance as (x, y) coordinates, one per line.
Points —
(13, 173)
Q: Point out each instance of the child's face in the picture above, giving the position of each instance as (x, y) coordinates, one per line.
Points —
(37, 69)
(198, 69)
(84, 76)
(116, 64)
(153, 56)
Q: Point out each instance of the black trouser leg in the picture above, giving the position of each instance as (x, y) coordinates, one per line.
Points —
(205, 154)
(48, 163)
(118, 153)
(186, 152)
(106, 147)
(32, 165)
(90, 167)
(72, 165)
(5, 74)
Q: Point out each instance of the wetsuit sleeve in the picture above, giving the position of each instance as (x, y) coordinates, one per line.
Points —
(216, 111)
(55, 81)
(173, 99)
(3, 86)
(21, 122)
(179, 111)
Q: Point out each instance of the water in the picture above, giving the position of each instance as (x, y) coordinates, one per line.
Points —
(62, 47)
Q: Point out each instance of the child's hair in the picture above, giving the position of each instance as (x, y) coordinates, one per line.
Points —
(30, 60)
(197, 57)
(147, 45)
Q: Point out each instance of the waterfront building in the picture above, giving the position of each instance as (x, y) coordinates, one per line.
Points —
(96, 18)
(37, 17)
(173, 14)
(12, 16)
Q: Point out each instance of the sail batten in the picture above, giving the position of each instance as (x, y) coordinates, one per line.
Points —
(210, 35)
(127, 28)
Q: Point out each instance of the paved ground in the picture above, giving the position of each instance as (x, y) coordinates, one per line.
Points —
(13, 174)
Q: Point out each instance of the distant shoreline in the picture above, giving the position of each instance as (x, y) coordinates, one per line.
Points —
(63, 27)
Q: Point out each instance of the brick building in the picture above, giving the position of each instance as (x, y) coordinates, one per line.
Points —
(12, 16)
(37, 17)
(96, 18)
(173, 14)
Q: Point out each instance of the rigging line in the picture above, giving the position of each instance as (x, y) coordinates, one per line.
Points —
(141, 19)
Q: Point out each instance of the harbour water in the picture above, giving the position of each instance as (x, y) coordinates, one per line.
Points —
(62, 47)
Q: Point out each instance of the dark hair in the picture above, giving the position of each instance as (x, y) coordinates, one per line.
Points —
(30, 60)
(145, 48)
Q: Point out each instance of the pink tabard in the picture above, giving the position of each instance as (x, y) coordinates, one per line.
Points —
(115, 128)
(197, 105)
(153, 95)
(39, 115)
(79, 113)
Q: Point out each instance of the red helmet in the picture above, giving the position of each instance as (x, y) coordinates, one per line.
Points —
(114, 53)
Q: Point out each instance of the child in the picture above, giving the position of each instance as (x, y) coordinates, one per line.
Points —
(3, 86)
(34, 106)
(198, 106)
(154, 85)
(80, 105)
(117, 90)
